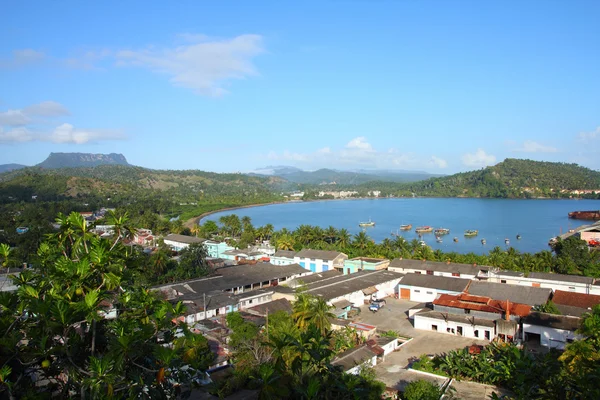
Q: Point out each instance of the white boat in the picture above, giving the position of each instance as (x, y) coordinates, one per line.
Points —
(369, 223)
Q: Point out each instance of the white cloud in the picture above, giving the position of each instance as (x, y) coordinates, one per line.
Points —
(529, 146)
(438, 162)
(65, 133)
(478, 159)
(14, 118)
(22, 57)
(589, 136)
(359, 143)
(47, 109)
(204, 65)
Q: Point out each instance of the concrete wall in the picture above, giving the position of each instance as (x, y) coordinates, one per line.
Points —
(356, 298)
(281, 260)
(424, 323)
(387, 288)
(369, 363)
(423, 295)
(551, 337)
(390, 347)
(314, 264)
(177, 246)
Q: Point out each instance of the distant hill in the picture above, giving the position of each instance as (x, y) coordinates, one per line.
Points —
(512, 178)
(74, 160)
(330, 176)
(11, 167)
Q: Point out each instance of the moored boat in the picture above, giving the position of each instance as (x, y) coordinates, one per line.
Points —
(442, 231)
(471, 232)
(438, 239)
(424, 229)
(585, 214)
(405, 227)
(506, 241)
(455, 239)
(483, 241)
(369, 223)
(518, 237)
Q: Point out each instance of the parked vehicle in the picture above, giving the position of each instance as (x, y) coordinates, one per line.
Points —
(376, 305)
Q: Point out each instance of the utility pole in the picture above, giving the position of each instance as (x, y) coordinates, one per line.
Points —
(204, 297)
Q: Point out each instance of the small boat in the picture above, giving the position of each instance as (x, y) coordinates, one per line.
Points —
(471, 232)
(506, 241)
(442, 231)
(405, 227)
(22, 229)
(483, 241)
(455, 239)
(424, 229)
(369, 223)
(422, 243)
(438, 239)
(518, 237)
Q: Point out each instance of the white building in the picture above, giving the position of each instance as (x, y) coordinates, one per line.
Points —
(435, 268)
(320, 260)
(283, 257)
(568, 283)
(180, 242)
(426, 288)
(554, 331)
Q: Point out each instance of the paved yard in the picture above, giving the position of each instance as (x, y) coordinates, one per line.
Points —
(394, 317)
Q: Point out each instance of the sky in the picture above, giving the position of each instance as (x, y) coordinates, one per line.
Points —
(436, 86)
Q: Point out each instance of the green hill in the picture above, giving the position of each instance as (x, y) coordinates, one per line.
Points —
(512, 178)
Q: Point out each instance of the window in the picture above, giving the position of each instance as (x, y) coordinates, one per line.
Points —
(434, 328)
(312, 259)
(572, 288)
(486, 335)
(428, 292)
(459, 330)
(249, 301)
(476, 333)
(418, 272)
(429, 272)
(417, 291)
(502, 280)
(455, 274)
(448, 330)
(467, 311)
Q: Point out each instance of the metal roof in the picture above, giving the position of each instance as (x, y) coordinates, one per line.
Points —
(515, 293)
(466, 319)
(561, 278)
(467, 269)
(319, 254)
(553, 321)
(338, 286)
(353, 357)
(183, 238)
(436, 282)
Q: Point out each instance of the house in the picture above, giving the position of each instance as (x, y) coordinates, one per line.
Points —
(426, 288)
(143, 237)
(271, 307)
(574, 304)
(364, 264)
(352, 360)
(549, 330)
(357, 288)
(448, 269)
(283, 257)
(532, 296)
(216, 249)
(179, 242)
(477, 317)
(570, 283)
(320, 260)
(341, 308)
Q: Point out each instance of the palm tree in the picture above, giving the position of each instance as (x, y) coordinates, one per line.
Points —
(320, 315)
(121, 226)
(343, 238)
(195, 230)
(331, 234)
(268, 230)
(285, 242)
(361, 241)
(301, 310)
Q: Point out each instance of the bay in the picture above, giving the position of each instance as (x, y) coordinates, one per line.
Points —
(536, 220)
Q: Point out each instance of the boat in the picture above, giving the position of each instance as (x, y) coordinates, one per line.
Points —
(422, 243)
(455, 239)
(369, 223)
(406, 227)
(483, 241)
(585, 215)
(442, 231)
(424, 229)
(506, 241)
(22, 229)
(471, 232)
(518, 237)
(438, 239)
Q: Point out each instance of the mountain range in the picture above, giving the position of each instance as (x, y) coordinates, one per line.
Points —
(72, 160)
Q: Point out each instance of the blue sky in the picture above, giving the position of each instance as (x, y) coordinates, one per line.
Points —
(439, 86)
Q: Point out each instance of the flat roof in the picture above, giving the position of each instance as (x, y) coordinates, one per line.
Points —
(444, 316)
(553, 321)
(183, 238)
(319, 254)
(438, 266)
(561, 278)
(353, 357)
(436, 282)
(515, 293)
(338, 286)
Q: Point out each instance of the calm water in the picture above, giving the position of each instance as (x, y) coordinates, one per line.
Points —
(496, 219)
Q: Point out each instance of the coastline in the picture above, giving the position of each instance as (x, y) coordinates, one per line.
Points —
(195, 220)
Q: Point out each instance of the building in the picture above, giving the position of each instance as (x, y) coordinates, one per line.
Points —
(247, 254)
(477, 317)
(447, 269)
(426, 288)
(216, 249)
(179, 242)
(143, 237)
(549, 330)
(574, 304)
(352, 360)
(320, 260)
(283, 257)
(364, 264)
(533, 296)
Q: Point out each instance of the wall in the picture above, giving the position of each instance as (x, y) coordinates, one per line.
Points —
(551, 337)
(422, 295)
(369, 363)
(281, 261)
(424, 323)
(390, 347)
(177, 246)
(314, 264)
(356, 298)
(387, 288)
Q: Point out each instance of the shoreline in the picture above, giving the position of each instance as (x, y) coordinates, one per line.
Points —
(195, 220)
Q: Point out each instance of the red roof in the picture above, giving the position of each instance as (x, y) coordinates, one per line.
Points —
(573, 299)
(481, 303)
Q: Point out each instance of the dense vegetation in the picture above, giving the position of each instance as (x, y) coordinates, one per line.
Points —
(572, 374)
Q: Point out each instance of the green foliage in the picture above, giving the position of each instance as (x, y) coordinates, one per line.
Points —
(548, 308)
(422, 390)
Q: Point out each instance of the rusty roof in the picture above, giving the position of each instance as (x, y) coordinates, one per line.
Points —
(484, 304)
(573, 299)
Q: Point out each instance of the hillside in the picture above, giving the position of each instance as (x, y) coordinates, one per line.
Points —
(11, 167)
(327, 176)
(512, 178)
(73, 160)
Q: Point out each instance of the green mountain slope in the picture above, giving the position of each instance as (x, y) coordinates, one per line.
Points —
(72, 160)
(512, 178)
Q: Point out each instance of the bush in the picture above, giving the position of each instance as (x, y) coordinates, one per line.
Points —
(422, 390)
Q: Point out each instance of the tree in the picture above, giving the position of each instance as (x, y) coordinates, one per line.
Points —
(79, 327)
(192, 261)
(548, 308)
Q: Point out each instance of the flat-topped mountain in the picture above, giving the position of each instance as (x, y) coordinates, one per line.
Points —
(74, 160)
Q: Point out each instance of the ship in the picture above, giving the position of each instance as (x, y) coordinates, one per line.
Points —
(369, 223)
(594, 215)
(406, 227)
(471, 232)
(442, 231)
(424, 229)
